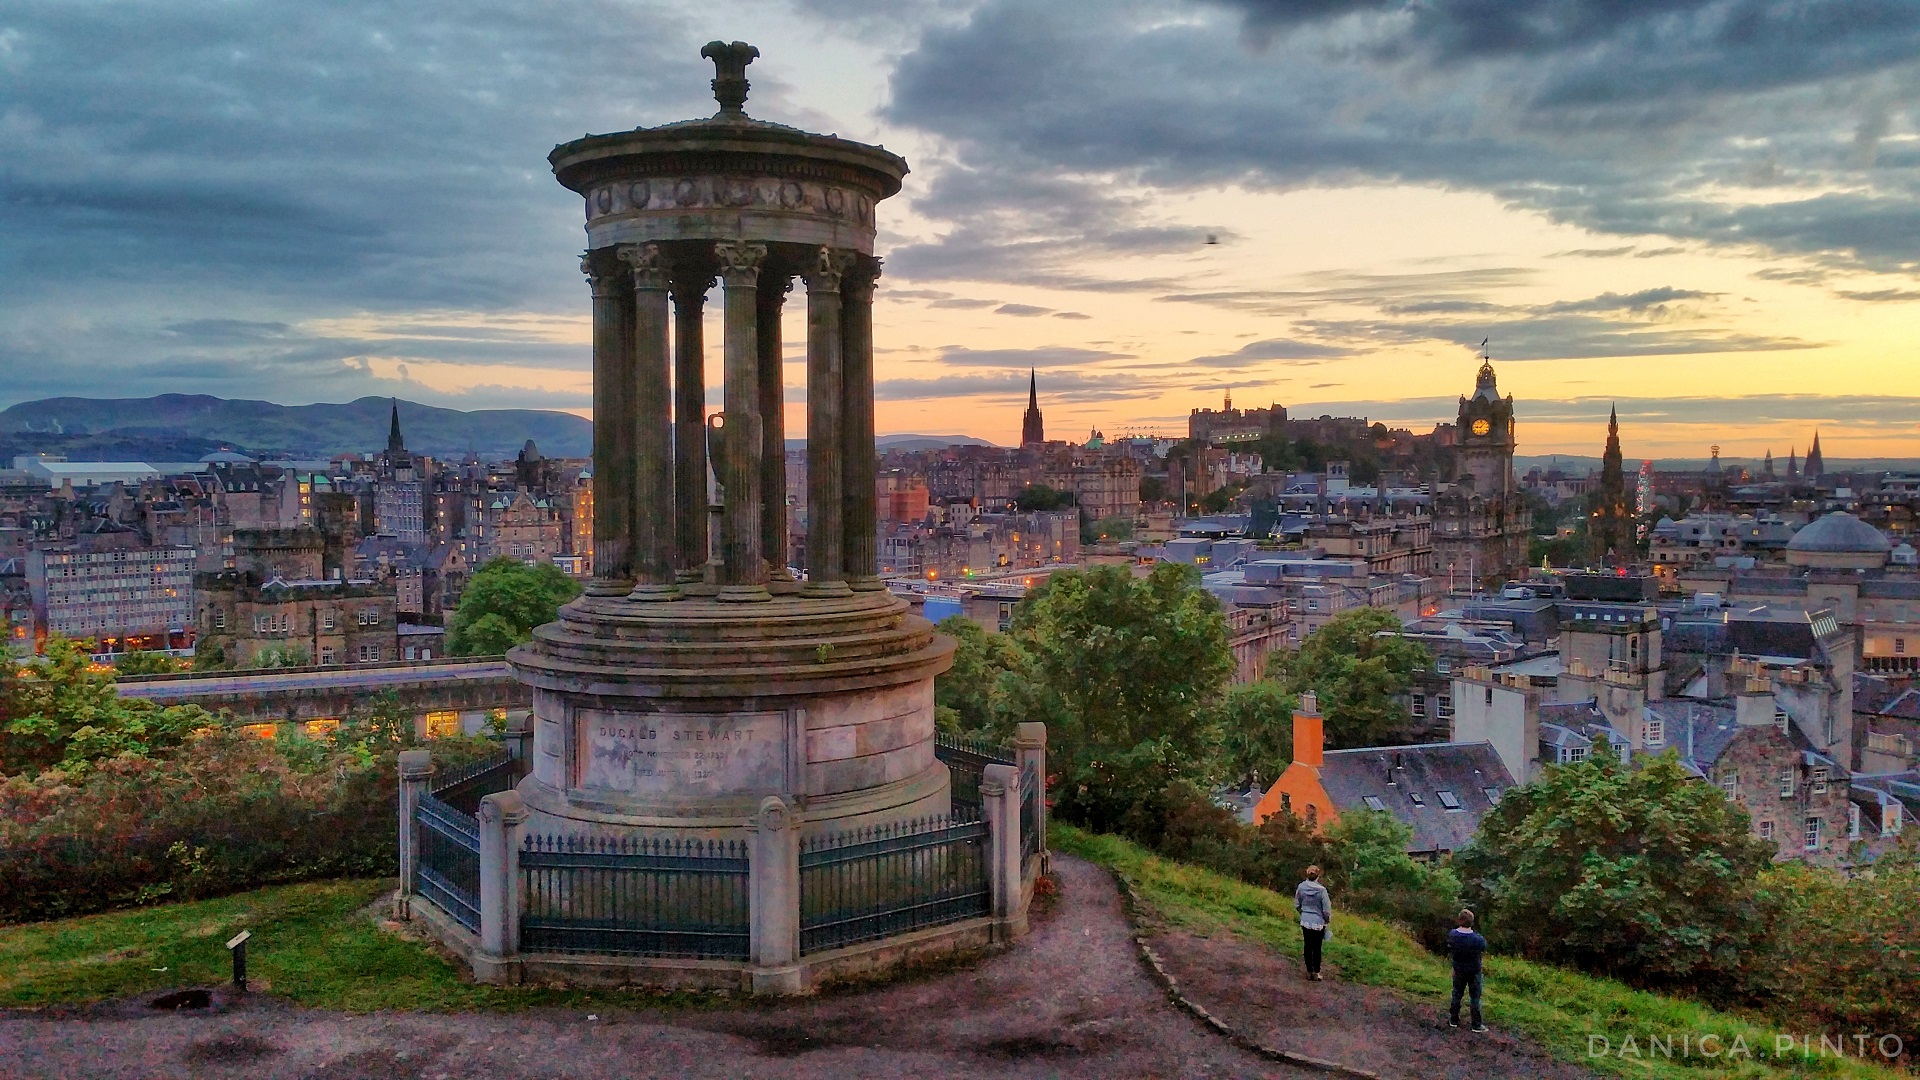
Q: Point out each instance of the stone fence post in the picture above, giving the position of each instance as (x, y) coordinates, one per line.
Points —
(503, 817)
(416, 772)
(1030, 744)
(1000, 800)
(519, 736)
(773, 889)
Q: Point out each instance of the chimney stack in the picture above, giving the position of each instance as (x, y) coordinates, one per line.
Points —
(1309, 739)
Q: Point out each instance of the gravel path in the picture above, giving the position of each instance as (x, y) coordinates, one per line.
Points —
(1070, 1000)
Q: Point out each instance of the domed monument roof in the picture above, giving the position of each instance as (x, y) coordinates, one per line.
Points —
(1840, 533)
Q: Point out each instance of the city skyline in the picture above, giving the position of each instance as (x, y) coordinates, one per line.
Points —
(1327, 207)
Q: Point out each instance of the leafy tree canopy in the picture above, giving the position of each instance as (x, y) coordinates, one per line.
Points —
(1041, 497)
(64, 711)
(145, 663)
(1361, 668)
(1118, 668)
(1252, 729)
(502, 604)
(967, 698)
(1644, 873)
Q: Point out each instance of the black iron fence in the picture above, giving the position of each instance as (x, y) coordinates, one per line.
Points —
(874, 883)
(635, 896)
(448, 872)
(464, 787)
(966, 759)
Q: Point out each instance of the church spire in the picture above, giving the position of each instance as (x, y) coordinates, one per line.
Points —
(395, 444)
(1816, 463)
(1032, 432)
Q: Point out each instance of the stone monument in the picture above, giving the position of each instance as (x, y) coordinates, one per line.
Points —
(699, 674)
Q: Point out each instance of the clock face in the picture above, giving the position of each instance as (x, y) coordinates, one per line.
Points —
(1481, 427)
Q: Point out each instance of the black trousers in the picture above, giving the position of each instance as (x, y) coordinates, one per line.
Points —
(1469, 985)
(1314, 938)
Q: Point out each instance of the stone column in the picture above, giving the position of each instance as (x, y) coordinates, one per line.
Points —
(774, 899)
(775, 282)
(653, 505)
(416, 772)
(503, 817)
(1000, 802)
(860, 542)
(743, 567)
(613, 428)
(690, 284)
(1030, 745)
(826, 559)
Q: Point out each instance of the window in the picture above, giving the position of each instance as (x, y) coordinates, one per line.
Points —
(447, 722)
(325, 725)
(260, 731)
(1766, 830)
(1419, 707)
(1492, 794)
(1373, 802)
(219, 620)
(1286, 803)
(1446, 707)
(326, 654)
(1819, 779)
(1853, 821)
(1573, 753)
(1448, 799)
(1899, 646)
(1780, 718)
(1813, 833)
(327, 621)
(1656, 731)
(1786, 783)
(1730, 783)
(1417, 800)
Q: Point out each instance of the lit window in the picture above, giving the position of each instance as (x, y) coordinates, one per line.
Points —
(1448, 799)
(260, 731)
(1373, 802)
(325, 725)
(441, 723)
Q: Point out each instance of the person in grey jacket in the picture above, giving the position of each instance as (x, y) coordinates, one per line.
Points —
(1315, 906)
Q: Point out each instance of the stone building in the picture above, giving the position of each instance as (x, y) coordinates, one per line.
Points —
(519, 526)
(274, 600)
(108, 585)
(1229, 425)
(400, 488)
(1481, 526)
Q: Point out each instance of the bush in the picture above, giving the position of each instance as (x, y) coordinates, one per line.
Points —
(1843, 953)
(222, 813)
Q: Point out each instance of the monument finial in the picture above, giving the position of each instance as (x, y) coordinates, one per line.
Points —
(730, 74)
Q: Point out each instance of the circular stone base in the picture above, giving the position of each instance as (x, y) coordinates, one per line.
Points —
(678, 718)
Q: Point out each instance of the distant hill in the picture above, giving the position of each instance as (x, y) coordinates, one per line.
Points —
(184, 427)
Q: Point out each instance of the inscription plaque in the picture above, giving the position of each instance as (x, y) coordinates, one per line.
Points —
(646, 755)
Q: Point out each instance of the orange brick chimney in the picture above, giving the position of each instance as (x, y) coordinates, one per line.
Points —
(1309, 734)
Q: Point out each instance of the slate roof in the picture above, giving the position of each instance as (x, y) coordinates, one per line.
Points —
(1466, 770)
(1700, 730)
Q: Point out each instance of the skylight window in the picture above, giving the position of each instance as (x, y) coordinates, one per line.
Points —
(1449, 800)
(1373, 802)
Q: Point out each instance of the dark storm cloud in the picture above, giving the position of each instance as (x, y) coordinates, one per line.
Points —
(297, 161)
(1609, 114)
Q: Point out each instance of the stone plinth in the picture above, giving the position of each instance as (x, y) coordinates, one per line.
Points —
(681, 718)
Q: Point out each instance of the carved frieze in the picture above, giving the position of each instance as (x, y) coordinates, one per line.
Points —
(813, 198)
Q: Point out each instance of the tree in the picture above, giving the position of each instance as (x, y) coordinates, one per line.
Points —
(1643, 873)
(65, 711)
(1107, 530)
(503, 602)
(965, 697)
(282, 656)
(1153, 489)
(1361, 668)
(1252, 729)
(1118, 668)
(1041, 497)
(145, 663)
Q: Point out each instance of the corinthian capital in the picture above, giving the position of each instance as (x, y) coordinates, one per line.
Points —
(830, 265)
(861, 277)
(649, 272)
(740, 262)
(605, 273)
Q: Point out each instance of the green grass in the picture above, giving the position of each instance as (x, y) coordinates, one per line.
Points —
(1556, 1008)
(310, 944)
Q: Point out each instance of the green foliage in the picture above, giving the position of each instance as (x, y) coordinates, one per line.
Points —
(1041, 497)
(62, 710)
(1361, 669)
(1643, 873)
(1153, 489)
(282, 656)
(1118, 668)
(209, 655)
(1556, 1007)
(145, 663)
(1843, 952)
(1107, 530)
(966, 697)
(502, 604)
(1251, 727)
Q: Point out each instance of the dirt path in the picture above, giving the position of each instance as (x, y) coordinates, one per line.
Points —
(1070, 1001)
(1264, 995)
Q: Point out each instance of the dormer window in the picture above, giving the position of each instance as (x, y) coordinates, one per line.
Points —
(1656, 731)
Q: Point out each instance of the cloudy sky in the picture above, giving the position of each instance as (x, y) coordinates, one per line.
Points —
(1706, 210)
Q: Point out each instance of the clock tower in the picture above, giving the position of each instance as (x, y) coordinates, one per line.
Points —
(1486, 436)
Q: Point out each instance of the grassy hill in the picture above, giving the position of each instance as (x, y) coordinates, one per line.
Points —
(1556, 1008)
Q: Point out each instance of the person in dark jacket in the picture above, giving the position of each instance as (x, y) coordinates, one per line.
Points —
(1310, 899)
(1466, 947)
